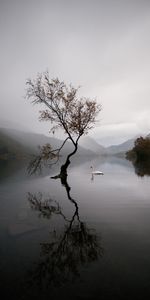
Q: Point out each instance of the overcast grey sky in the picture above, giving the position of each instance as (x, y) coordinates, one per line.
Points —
(104, 46)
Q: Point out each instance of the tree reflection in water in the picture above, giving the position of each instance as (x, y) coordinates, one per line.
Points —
(142, 168)
(62, 256)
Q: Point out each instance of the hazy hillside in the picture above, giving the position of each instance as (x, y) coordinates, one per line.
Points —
(87, 145)
(12, 149)
(121, 148)
(32, 140)
(15, 144)
(92, 145)
(124, 147)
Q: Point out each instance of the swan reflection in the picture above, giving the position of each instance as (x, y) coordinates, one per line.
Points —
(96, 172)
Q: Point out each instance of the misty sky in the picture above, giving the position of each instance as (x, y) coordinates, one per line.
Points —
(103, 46)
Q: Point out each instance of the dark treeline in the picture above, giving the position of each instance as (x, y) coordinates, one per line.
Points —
(141, 149)
(140, 156)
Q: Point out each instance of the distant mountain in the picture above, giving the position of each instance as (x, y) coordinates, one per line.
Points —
(31, 140)
(12, 149)
(121, 148)
(17, 144)
(90, 144)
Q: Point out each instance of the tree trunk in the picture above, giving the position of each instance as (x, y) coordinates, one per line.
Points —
(63, 170)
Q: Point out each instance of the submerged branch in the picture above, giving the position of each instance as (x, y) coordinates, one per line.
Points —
(46, 154)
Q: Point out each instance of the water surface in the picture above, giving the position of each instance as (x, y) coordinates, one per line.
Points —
(89, 238)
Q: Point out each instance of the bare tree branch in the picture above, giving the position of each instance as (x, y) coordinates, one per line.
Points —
(46, 154)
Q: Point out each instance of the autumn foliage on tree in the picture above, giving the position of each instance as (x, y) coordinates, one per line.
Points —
(64, 110)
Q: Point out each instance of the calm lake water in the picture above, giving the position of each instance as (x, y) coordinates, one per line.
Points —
(87, 239)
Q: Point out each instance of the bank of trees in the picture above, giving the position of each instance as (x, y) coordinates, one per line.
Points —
(141, 150)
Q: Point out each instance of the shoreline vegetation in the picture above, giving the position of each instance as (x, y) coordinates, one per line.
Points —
(140, 156)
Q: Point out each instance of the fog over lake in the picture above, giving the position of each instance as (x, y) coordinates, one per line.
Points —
(77, 235)
(87, 238)
(101, 45)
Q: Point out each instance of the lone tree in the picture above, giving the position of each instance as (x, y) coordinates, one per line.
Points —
(64, 110)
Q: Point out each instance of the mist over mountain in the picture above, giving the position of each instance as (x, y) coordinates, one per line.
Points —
(121, 148)
(91, 144)
(10, 148)
(18, 144)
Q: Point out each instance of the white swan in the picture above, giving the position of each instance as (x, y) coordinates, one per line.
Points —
(96, 172)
